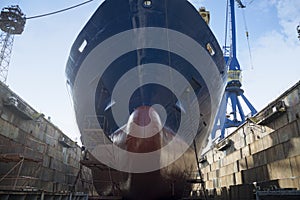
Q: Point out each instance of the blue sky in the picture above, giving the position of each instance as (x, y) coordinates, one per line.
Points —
(40, 53)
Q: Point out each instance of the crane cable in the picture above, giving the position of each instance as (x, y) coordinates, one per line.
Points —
(247, 36)
(59, 11)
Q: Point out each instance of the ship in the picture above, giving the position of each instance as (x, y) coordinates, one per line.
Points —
(146, 79)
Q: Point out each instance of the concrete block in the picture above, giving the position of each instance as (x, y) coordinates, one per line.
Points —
(259, 158)
(50, 140)
(235, 156)
(242, 164)
(287, 183)
(209, 185)
(47, 174)
(212, 175)
(250, 138)
(205, 176)
(230, 180)
(287, 132)
(298, 125)
(8, 130)
(243, 192)
(262, 173)
(215, 166)
(205, 169)
(291, 147)
(59, 177)
(267, 130)
(294, 113)
(270, 140)
(249, 175)
(234, 192)
(32, 154)
(240, 144)
(218, 155)
(275, 153)
(30, 169)
(46, 161)
(229, 169)
(236, 167)
(20, 137)
(281, 121)
(216, 183)
(245, 151)
(250, 162)
(280, 169)
(47, 186)
(4, 140)
(222, 171)
(297, 183)
(256, 146)
(223, 181)
(238, 178)
(295, 166)
(35, 144)
(53, 152)
(57, 165)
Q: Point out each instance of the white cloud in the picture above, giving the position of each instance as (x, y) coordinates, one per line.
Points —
(289, 17)
(275, 57)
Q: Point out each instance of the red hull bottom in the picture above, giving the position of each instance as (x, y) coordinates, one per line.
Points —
(165, 183)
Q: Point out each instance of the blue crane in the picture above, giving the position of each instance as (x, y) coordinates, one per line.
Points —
(233, 89)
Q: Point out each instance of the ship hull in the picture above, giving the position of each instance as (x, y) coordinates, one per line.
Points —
(136, 59)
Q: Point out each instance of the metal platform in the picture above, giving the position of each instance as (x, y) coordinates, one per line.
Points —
(7, 195)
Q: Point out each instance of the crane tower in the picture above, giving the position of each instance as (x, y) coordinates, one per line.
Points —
(233, 95)
(12, 22)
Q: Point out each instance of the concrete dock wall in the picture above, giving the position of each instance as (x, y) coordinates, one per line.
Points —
(262, 154)
(34, 153)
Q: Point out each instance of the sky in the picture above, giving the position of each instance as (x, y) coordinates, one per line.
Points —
(39, 56)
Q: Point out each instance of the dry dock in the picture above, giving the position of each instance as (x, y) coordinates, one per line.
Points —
(260, 160)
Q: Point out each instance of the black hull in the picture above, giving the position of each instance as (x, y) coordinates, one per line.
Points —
(146, 41)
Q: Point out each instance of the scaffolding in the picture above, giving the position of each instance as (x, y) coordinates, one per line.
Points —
(13, 175)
